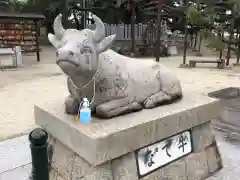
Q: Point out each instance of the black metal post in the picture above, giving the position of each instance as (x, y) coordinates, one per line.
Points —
(38, 144)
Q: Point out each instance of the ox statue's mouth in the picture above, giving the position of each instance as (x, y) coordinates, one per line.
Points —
(70, 62)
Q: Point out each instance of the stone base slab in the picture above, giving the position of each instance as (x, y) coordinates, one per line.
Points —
(102, 140)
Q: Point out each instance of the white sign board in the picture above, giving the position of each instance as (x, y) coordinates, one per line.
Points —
(161, 153)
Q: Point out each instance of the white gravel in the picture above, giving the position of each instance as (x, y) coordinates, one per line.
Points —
(36, 83)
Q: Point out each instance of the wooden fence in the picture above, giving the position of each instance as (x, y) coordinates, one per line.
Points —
(123, 32)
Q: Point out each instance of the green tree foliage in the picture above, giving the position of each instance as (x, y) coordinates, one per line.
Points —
(16, 5)
(4, 5)
(206, 18)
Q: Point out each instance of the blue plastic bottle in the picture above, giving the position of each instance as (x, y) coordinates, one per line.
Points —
(85, 111)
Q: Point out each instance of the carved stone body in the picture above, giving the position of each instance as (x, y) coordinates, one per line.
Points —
(122, 84)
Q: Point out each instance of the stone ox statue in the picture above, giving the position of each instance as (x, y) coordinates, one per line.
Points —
(117, 84)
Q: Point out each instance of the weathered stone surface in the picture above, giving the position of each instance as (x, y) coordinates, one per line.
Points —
(50, 148)
(63, 160)
(96, 176)
(196, 166)
(53, 174)
(125, 167)
(83, 170)
(101, 141)
(153, 176)
(60, 178)
(202, 136)
(213, 158)
(68, 165)
(173, 171)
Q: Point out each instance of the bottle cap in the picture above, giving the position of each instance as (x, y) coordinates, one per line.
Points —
(85, 100)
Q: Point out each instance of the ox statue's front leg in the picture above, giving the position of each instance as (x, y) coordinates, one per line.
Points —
(117, 107)
(71, 105)
(164, 97)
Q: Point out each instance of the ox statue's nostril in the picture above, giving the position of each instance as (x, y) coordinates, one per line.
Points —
(70, 53)
(57, 53)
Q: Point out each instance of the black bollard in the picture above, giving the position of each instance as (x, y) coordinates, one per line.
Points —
(38, 144)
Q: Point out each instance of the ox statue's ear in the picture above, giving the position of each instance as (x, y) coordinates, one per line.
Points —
(105, 44)
(54, 41)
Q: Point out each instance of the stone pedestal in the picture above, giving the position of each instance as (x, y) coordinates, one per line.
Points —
(106, 149)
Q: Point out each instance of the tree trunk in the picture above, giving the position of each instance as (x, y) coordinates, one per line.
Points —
(238, 54)
(200, 42)
(220, 35)
(191, 40)
(230, 39)
(158, 44)
(133, 22)
(185, 33)
(238, 46)
(195, 41)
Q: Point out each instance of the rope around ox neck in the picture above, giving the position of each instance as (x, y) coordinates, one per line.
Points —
(94, 91)
(94, 87)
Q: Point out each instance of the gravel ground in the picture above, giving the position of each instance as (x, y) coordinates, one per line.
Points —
(39, 82)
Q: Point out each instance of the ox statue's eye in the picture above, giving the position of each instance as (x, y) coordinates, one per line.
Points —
(86, 50)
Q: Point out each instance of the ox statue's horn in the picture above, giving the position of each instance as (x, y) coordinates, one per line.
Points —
(99, 32)
(57, 26)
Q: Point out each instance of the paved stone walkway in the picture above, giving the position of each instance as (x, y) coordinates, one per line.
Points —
(230, 152)
(15, 159)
